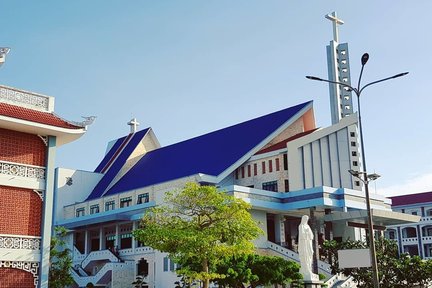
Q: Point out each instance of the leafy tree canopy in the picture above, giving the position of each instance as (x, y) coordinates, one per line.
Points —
(201, 225)
(256, 270)
(60, 260)
(395, 271)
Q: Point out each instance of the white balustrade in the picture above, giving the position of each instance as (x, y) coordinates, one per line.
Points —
(322, 266)
(99, 255)
(22, 170)
(26, 99)
(19, 242)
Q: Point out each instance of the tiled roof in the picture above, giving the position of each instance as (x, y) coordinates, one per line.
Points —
(282, 144)
(410, 199)
(46, 118)
(209, 154)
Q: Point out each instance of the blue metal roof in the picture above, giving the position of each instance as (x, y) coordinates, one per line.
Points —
(209, 154)
(118, 163)
(109, 155)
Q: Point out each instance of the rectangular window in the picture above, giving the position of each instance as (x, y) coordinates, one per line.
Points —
(172, 266)
(355, 163)
(286, 182)
(255, 169)
(143, 198)
(236, 174)
(110, 205)
(126, 241)
(357, 183)
(285, 158)
(165, 264)
(353, 144)
(94, 209)
(263, 167)
(249, 171)
(354, 153)
(80, 212)
(270, 166)
(352, 134)
(270, 186)
(242, 171)
(125, 202)
(277, 164)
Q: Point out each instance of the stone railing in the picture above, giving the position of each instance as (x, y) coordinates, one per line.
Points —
(22, 170)
(410, 240)
(99, 255)
(26, 99)
(323, 267)
(19, 242)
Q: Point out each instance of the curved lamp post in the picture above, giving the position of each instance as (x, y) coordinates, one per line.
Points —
(363, 176)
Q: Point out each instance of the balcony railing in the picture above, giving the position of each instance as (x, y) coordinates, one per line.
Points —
(19, 242)
(410, 240)
(26, 99)
(22, 170)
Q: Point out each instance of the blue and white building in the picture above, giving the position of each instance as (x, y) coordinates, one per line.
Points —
(280, 163)
(413, 238)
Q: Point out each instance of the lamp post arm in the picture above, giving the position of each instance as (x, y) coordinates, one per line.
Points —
(333, 82)
(382, 80)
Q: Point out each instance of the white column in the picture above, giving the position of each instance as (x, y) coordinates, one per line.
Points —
(101, 239)
(117, 242)
(86, 240)
(134, 227)
(280, 229)
(47, 214)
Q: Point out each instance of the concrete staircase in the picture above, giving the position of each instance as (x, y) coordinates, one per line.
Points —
(103, 276)
(97, 268)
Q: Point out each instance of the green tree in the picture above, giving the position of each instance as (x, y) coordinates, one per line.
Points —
(60, 260)
(395, 271)
(200, 225)
(256, 270)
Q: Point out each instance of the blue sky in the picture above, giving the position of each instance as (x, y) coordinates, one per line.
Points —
(187, 67)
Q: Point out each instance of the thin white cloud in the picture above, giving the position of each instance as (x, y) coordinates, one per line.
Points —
(417, 184)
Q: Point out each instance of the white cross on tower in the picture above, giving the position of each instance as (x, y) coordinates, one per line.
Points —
(133, 125)
(332, 17)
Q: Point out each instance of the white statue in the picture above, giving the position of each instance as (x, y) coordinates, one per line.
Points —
(305, 249)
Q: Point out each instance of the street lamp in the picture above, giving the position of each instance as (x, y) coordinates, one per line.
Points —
(366, 177)
(3, 52)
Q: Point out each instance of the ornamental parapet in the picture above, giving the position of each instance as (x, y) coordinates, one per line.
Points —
(22, 170)
(26, 99)
(19, 242)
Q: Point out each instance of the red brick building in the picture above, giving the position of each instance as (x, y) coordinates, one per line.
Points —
(29, 135)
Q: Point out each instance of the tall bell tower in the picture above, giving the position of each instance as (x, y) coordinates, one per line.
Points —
(341, 104)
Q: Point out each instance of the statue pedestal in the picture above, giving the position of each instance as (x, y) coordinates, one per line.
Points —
(312, 284)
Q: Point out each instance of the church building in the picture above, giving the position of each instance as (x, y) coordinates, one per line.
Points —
(281, 163)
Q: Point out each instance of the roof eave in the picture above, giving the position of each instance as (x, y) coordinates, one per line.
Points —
(63, 135)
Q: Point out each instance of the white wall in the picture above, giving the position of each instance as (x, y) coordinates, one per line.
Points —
(83, 183)
(324, 157)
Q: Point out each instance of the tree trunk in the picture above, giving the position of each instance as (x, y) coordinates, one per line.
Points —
(205, 269)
